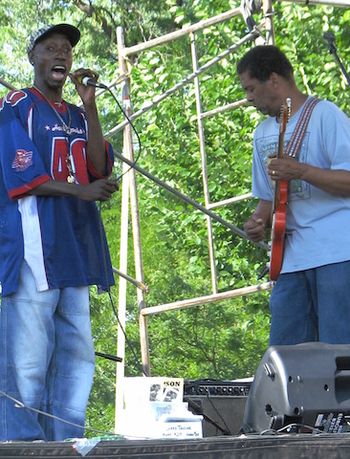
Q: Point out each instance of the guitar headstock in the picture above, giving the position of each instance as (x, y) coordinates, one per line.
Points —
(285, 112)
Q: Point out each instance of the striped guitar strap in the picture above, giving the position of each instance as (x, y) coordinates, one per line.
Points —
(294, 143)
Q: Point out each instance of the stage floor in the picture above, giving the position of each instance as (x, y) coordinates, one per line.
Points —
(289, 446)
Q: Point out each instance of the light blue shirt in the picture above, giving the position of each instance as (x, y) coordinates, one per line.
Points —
(318, 223)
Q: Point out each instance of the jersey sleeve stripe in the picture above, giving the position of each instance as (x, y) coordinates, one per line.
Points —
(23, 190)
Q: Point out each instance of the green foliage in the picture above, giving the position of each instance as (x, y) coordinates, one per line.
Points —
(223, 340)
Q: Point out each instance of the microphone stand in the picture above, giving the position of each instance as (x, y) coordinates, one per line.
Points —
(329, 37)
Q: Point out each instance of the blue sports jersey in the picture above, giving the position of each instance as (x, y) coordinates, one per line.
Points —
(61, 238)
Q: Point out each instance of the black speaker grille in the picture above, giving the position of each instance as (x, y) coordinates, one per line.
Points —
(217, 388)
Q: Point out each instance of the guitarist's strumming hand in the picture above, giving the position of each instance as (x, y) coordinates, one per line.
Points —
(256, 224)
(255, 229)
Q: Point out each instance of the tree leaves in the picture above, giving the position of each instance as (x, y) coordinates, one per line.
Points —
(226, 339)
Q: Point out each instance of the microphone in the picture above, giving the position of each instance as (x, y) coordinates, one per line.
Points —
(88, 81)
(329, 36)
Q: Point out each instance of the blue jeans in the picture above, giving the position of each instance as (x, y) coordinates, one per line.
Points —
(46, 361)
(312, 305)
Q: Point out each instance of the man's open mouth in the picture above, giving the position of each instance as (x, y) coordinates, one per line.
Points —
(58, 72)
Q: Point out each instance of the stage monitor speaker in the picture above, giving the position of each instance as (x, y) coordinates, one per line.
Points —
(301, 388)
(221, 403)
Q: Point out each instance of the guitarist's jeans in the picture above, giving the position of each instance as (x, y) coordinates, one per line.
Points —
(312, 305)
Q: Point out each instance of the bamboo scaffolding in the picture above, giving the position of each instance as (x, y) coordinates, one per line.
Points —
(228, 201)
(225, 108)
(181, 33)
(190, 303)
(189, 200)
(133, 281)
(7, 85)
(336, 3)
(134, 207)
(202, 150)
(123, 258)
(215, 296)
(188, 79)
(268, 14)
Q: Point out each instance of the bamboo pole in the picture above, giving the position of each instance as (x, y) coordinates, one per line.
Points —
(337, 3)
(268, 14)
(181, 33)
(228, 201)
(203, 154)
(133, 281)
(152, 103)
(190, 201)
(7, 85)
(225, 108)
(190, 303)
(123, 263)
(135, 218)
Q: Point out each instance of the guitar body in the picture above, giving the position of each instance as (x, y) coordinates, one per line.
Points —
(278, 231)
(279, 214)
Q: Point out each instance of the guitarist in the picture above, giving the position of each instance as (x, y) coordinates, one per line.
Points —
(311, 298)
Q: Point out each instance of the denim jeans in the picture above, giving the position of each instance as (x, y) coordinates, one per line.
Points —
(312, 305)
(46, 361)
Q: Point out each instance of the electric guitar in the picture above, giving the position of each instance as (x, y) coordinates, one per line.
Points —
(279, 215)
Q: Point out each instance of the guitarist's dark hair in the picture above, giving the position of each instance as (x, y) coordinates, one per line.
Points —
(261, 61)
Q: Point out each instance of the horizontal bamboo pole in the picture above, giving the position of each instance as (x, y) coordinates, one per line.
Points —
(182, 32)
(189, 78)
(141, 285)
(185, 304)
(189, 200)
(341, 3)
(225, 108)
(7, 85)
(228, 201)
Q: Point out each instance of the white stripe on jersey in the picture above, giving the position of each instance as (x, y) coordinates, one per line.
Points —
(33, 249)
(30, 124)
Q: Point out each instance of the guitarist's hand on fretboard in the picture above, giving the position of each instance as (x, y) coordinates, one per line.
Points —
(285, 169)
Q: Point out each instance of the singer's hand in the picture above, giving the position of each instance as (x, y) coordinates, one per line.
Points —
(100, 190)
(86, 93)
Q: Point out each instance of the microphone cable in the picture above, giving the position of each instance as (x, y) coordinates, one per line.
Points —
(101, 230)
(87, 81)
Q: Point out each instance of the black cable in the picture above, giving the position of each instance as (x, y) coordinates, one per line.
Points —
(108, 291)
(103, 86)
(20, 405)
(130, 345)
(114, 358)
(128, 342)
(330, 39)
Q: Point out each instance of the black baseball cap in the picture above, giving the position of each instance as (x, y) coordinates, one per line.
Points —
(71, 32)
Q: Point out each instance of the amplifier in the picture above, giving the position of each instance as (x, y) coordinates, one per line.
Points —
(215, 388)
(221, 403)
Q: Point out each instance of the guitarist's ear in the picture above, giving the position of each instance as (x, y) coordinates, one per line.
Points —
(275, 79)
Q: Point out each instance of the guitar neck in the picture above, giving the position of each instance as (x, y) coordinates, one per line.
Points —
(280, 148)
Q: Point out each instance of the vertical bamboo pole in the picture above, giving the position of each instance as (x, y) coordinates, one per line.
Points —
(123, 255)
(268, 13)
(139, 274)
(201, 137)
